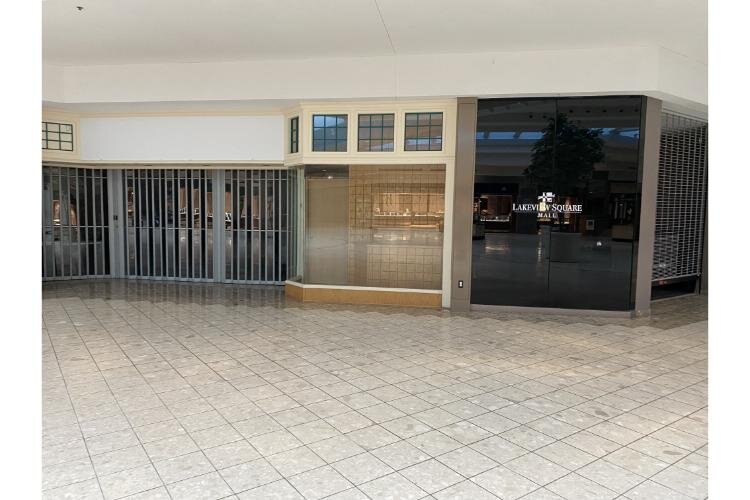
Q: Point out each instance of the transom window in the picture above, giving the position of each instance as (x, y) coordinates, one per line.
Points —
(294, 135)
(57, 136)
(329, 132)
(423, 132)
(376, 132)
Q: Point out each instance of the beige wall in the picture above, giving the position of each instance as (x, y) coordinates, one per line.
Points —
(466, 125)
(651, 136)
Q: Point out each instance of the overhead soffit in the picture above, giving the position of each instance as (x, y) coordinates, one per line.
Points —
(108, 32)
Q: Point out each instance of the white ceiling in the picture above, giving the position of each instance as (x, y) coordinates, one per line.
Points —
(111, 32)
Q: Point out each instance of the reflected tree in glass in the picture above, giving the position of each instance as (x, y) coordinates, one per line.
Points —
(574, 150)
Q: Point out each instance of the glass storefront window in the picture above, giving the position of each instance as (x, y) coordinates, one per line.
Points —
(329, 132)
(556, 202)
(376, 132)
(376, 226)
(423, 132)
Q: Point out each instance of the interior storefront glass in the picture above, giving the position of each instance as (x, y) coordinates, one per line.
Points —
(556, 202)
(375, 226)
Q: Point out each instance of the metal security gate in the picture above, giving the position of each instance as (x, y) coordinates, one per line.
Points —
(256, 226)
(169, 224)
(170, 232)
(75, 223)
(681, 199)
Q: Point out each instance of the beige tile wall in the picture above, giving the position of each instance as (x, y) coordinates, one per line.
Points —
(396, 225)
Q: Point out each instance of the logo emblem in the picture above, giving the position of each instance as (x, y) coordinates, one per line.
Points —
(548, 197)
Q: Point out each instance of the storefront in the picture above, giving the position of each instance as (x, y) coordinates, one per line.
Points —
(556, 202)
(373, 212)
(578, 203)
(372, 231)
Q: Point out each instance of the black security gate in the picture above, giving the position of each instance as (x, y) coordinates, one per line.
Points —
(256, 225)
(75, 223)
(207, 225)
(169, 224)
(184, 224)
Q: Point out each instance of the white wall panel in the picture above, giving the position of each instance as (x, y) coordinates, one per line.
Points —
(646, 70)
(182, 138)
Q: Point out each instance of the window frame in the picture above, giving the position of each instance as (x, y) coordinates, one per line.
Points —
(46, 138)
(294, 135)
(336, 141)
(429, 126)
(381, 128)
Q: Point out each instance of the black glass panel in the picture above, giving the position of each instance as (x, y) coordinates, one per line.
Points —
(596, 161)
(511, 251)
(556, 202)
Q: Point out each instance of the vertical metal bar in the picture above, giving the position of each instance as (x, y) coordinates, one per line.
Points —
(164, 224)
(94, 221)
(248, 221)
(137, 208)
(175, 223)
(149, 223)
(197, 206)
(204, 215)
(196, 223)
(80, 219)
(268, 207)
(219, 243)
(47, 221)
(100, 244)
(188, 257)
(152, 208)
(261, 224)
(201, 252)
(162, 215)
(93, 264)
(69, 243)
(123, 204)
(104, 219)
(78, 222)
(111, 224)
(277, 227)
(204, 241)
(55, 179)
(127, 211)
(252, 174)
(189, 221)
(234, 190)
(44, 226)
(274, 217)
(178, 216)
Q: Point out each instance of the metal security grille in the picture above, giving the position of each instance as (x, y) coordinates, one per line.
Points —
(681, 199)
(168, 224)
(256, 226)
(75, 223)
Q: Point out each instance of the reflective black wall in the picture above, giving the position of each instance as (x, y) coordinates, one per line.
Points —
(581, 151)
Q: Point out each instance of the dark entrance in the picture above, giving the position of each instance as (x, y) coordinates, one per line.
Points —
(556, 200)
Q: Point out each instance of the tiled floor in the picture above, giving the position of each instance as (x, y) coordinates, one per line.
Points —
(155, 390)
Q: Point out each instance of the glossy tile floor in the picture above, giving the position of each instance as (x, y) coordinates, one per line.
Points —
(156, 390)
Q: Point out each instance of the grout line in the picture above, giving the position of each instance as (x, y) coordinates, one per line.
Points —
(575, 342)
